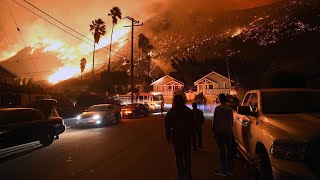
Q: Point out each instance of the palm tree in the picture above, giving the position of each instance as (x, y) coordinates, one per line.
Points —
(115, 14)
(83, 63)
(146, 47)
(98, 28)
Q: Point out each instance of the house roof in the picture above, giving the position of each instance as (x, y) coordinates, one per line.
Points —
(8, 71)
(165, 80)
(211, 77)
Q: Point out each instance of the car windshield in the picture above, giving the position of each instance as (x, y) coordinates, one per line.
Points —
(96, 108)
(157, 97)
(130, 106)
(290, 102)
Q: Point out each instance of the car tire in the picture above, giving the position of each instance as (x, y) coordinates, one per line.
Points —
(134, 115)
(146, 114)
(262, 167)
(47, 139)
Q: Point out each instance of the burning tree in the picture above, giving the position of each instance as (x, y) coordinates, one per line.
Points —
(146, 48)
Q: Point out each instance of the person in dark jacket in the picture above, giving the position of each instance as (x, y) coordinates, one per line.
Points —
(198, 120)
(222, 131)
(178, 128)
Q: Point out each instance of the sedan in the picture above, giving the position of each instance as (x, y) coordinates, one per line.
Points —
(100, 114)
(24, 125)
(134, 110)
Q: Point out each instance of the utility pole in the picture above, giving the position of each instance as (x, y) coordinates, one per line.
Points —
(227, 61)
(133, 24)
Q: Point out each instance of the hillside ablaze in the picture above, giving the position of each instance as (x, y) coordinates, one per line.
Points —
(70, 55)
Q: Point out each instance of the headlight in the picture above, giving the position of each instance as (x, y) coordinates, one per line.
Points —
(95, 117)
(98, 122)
(78, 117)
(128, 112)
(289, 150)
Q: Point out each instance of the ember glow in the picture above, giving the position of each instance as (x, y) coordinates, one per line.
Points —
(70, 55)
(191, 29)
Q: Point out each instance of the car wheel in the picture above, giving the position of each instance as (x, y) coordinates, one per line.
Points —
(47, 139)
(134, 115)
(262, 167)
(146, 114)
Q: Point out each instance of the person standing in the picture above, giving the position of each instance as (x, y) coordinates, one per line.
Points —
(198, 120)
(222, 131)
(178, 130)
(162, 107)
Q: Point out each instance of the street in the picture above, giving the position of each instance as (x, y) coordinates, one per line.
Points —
(134, 149)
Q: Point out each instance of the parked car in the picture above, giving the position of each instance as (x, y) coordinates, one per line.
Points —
(278, 130)
(47, 107)
(134, 110)
(100, 114)
(24, 125)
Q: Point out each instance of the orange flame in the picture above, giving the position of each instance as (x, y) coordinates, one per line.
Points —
(70, 56)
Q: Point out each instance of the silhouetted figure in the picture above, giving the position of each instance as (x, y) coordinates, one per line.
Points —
(198, 120)
(222, 131)
(178, 128)
(162, 108)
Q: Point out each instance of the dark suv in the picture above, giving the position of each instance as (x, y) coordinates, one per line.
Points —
(24, 125)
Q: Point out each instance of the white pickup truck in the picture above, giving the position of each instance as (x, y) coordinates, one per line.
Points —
(278, 131)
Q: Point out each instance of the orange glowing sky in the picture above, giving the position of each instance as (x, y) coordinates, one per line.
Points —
(78, 16)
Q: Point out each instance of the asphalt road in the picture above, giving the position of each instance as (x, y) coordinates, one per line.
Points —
(134, 149)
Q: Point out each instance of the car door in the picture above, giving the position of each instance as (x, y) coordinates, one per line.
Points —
(239, 122)
(111, 113)
(142, 109)
(249, 122)
(19, 128)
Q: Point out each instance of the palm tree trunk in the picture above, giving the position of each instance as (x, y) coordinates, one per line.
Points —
(148, 60)
(94, 50)
(110, 48)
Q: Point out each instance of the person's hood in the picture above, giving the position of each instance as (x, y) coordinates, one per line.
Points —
(299, 127)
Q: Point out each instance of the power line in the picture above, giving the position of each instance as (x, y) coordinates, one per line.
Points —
(66, 25)
(18, 29)
(56, 25)
(11, 46)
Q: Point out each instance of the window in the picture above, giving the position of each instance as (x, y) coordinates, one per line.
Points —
(253, 102)
(210, 86)
(246, 99)
(223, 85)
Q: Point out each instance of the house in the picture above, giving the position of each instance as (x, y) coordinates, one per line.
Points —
(6, 76)
(212, 85)
(167, 85)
